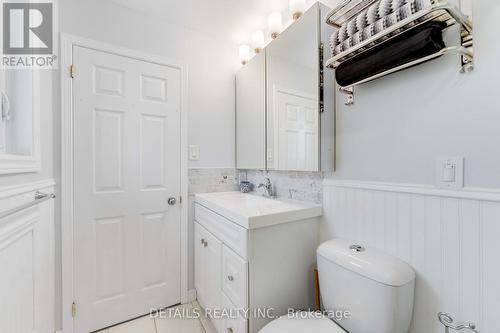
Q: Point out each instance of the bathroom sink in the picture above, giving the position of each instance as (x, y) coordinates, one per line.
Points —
(252, 211)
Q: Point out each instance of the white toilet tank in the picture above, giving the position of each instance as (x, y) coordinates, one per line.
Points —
(375, 288)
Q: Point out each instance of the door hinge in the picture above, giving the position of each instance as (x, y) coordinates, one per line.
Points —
(73, 310)
(72, 72)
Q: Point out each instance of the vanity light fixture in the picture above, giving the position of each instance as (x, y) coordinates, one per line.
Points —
(275, 24)
(258, 41)
(297, 8)
(244, 54)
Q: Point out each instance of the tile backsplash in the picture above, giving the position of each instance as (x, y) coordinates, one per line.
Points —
(212, 180)
(302, 186)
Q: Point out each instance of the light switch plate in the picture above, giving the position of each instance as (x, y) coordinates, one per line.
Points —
(450, 172)
(194, 153)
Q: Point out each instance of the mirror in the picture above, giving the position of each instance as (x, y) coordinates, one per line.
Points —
(293, 96)
(284, 119)
(19, 139)
(251, 114)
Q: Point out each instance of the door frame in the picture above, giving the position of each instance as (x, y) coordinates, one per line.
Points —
(68, 42)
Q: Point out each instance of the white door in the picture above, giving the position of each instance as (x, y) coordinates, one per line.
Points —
(127, 166)
(298, 135)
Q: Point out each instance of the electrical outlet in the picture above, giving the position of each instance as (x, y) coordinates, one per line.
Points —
(450, 172)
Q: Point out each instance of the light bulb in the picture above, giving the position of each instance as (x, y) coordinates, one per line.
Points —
(258, 41)
(297, 8)
(275, 24)
(244, 52)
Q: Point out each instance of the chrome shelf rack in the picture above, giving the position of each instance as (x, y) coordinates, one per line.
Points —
(440, 10)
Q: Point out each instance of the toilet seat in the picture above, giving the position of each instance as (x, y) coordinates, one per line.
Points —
(300, 324)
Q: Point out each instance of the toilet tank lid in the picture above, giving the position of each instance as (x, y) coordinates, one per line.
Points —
(368, 262)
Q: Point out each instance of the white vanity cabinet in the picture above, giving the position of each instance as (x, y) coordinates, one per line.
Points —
(253, 254)
(207, 265)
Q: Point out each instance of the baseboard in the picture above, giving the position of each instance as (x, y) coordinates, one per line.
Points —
(191, 295)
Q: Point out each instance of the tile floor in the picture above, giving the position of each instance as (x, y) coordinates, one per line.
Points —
(164, 325)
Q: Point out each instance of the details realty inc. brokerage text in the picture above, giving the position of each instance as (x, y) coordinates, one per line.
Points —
(259, 313)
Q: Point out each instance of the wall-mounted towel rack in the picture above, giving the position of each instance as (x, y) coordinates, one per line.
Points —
(439, 10)
(346, 10)
(39, 198)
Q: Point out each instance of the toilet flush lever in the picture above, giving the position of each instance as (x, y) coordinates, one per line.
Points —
(356, 248)
(449, 323)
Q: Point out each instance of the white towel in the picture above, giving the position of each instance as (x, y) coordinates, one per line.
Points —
(395, 10)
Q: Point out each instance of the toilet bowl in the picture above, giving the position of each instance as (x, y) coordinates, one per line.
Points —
(373, 291)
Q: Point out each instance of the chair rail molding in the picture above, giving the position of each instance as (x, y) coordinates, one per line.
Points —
(486, 194)
(14, 190)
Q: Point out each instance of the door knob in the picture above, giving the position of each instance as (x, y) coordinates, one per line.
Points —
(172, 201)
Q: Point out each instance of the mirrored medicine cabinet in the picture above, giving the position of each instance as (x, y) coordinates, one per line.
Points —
(284, 105)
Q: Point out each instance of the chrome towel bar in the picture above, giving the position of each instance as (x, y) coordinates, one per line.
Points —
(39, 198)
(450, 324)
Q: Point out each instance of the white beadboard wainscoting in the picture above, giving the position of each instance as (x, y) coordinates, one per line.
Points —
(27, 261)
(451, 238)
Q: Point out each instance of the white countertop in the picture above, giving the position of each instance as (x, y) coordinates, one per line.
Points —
(252, 211)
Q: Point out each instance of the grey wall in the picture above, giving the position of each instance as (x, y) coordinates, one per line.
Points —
(401, 123)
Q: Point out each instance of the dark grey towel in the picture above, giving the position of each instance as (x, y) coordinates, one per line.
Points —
(407, 47)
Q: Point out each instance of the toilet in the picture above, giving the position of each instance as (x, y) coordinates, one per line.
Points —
(363, 291)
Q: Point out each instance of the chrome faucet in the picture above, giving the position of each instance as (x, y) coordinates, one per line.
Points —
(450, 324)
(268, 187)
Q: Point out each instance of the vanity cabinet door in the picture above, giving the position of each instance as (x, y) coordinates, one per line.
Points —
(208, 254)
(234, 321)
(234, 278)
(199, 264)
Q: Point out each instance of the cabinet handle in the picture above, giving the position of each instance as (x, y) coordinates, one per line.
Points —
(230, 278)
(205, 244)
(229, 330)
(203, 241)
